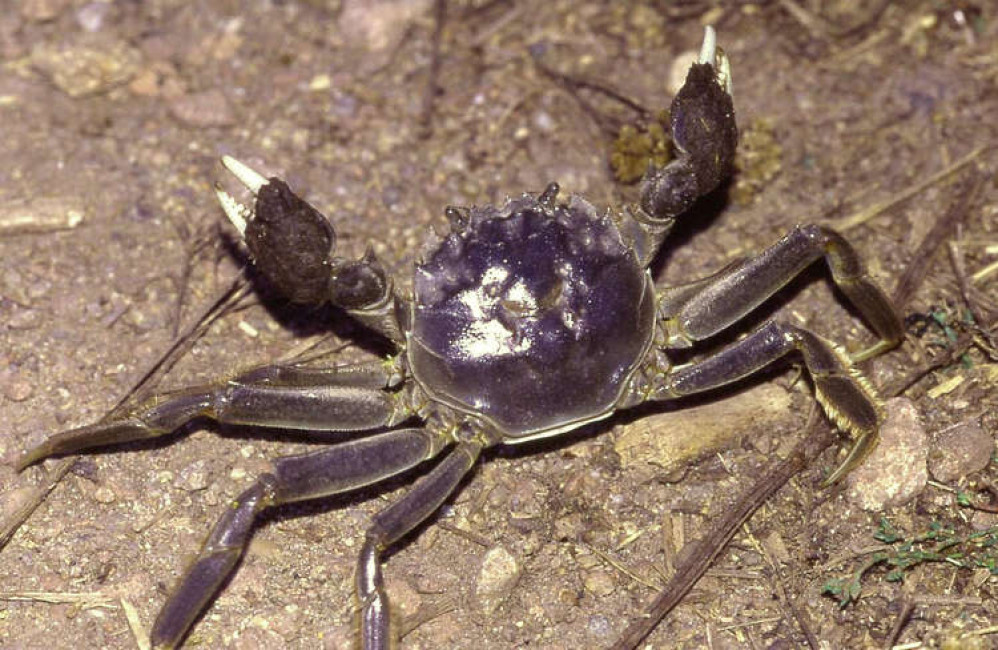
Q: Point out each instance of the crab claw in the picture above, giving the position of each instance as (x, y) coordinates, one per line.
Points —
(291, 242)
(238, 213)
(292, 245)
(702, 121)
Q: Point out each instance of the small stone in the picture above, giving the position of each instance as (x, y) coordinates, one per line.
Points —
(18, 389)
(80, 69)
(194, 477)
(104, 494)
(91, 15)
(24, 319)
(679, 69)
(599, 582)
(207, 108)
(496, 579)
(379, 25)
(895, 471)
(42, 10)
(960, 450)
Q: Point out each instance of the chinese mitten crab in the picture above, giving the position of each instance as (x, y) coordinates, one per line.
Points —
(525, 321)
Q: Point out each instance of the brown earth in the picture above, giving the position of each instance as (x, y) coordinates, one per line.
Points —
(116, 113)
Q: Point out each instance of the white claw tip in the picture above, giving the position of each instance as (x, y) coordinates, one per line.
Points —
(248, 176)
(709, 48)
(710, 53)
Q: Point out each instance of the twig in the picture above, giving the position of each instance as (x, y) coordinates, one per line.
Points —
(818, 437)
(87, 599)
(616, 564)
(467, 534)
(941, 232)
(135, 624)
(861, 217)
(572, 85)
(799, 615)
(433, 76)
(899, 623)
(38, 216)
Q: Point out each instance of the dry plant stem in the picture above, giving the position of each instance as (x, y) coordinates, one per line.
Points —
(432, 80)
(899, 624)
(19, 516)
(941, 231)
(818, 438)
(139, 391)
(861, 217)
(573, 85)
(799, 615)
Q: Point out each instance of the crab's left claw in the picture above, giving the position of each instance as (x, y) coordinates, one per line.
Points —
(704, 133)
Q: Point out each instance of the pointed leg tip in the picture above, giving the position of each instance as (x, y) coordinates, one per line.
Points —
(29, 457)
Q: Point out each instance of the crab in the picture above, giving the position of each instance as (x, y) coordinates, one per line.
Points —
(525, 321)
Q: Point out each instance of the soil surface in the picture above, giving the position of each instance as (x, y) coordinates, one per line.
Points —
(113, 116)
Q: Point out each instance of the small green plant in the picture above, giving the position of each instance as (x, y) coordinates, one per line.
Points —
(939, 544)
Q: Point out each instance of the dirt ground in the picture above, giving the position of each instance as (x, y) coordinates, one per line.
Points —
(113, 116)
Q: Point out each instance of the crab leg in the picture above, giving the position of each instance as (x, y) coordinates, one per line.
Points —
(293, 478)
(293, 246)
(693, 314)
(846, 396)
(390, 525)
(332, 399)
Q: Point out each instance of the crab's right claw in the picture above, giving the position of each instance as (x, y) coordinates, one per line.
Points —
(704, 134)
(238, 213)
(292, 245)
(291, 242)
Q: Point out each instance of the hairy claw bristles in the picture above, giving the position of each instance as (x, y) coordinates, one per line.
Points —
(237, 213)
(862, 383)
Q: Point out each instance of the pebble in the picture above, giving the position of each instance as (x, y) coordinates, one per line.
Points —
(104, 494)
(680, 68)
(42, 10)
(91, 15)
(202, 109)
(380, 24)
(24, 319)
(499, 574)
(18, 390)
(194, 477)
(960, 450)
(895, 471)
(599, 583)
(80, 69)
